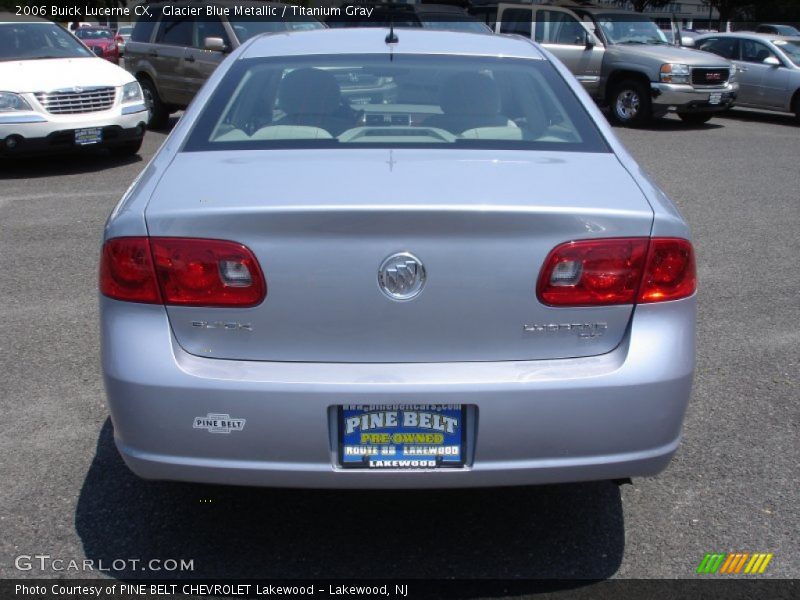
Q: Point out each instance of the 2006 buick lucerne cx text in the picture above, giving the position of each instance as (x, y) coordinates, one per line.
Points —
(419, 260)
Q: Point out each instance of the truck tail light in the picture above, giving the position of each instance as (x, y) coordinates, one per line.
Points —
(617, 271)
(181, 272)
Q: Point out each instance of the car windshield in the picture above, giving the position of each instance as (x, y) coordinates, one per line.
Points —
(87, 33)
(394, 101)
(625, 28)
(245, 29)
(791, 48)
(782, 29)
(31, 41)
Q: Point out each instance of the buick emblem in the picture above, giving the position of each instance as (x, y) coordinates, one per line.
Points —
(401, 276)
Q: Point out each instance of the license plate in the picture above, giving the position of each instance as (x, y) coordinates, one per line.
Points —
(87, 137)
(401, 437)
(715, 98)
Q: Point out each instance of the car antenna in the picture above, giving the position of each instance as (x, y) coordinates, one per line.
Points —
(391, 37)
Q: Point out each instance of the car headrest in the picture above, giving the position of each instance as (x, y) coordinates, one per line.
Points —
(309, 92)
(470, 93)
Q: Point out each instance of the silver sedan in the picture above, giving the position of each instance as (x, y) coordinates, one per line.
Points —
(768, 68)
(395, 259)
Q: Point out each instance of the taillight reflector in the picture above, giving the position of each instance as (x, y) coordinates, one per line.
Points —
(617, 271)
(126, 271)
(181, 271)
(671, 273)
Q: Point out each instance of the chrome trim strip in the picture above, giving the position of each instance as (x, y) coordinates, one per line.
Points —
(588, 78)
(15, 119)
(135, 108)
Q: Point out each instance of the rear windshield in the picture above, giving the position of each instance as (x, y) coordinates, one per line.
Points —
(394, 101)
(245, 29)
(34, 41)
(93, 34)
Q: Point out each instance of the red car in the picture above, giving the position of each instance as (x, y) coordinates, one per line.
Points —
(101, 40)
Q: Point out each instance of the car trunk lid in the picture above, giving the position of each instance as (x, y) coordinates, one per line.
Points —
(321, 223)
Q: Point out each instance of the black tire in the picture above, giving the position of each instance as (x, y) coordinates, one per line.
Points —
(630, 103)
(159, 113)
(127, 149)
(695, 118)
(796, 107)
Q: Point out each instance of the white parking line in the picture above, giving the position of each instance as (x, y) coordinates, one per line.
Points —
(61, 195)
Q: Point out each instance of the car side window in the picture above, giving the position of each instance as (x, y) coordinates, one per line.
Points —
(177, 32)
(724, 47)
(143, 30)
(207, 28)
(556, 27)
(518, 21)
(755, 52)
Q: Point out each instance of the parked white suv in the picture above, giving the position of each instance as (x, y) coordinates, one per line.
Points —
(56, 95)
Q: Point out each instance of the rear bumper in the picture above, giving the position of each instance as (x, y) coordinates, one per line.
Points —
(685, 98)
(611, 416)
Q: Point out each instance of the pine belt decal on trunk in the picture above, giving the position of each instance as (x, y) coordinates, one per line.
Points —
(218, 423)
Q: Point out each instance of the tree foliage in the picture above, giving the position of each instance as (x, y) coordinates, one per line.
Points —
(641, 5)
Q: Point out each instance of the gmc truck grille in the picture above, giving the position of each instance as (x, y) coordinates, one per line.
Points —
(84, 101)
(708, 77)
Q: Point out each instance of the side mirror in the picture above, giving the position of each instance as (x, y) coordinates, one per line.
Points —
(98, 51)
(590, 42)
(215, 44)
(687, 41)
(771, 60)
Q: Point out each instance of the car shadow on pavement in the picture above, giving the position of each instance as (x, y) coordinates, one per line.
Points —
(757, 116)
(573, 531)
(62, 164)
(673, 123)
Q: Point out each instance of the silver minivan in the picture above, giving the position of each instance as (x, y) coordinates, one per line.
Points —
(176, 47)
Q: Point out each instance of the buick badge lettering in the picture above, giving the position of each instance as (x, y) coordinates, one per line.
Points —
(401, 276)
(584, 330)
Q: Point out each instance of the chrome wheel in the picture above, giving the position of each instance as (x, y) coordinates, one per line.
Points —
(159, 114)
(148, 99)
(627, 105)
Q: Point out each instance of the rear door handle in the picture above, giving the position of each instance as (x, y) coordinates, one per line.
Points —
(153, 54)
(190, 58)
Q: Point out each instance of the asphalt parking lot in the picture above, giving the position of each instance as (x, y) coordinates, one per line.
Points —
(734, 485)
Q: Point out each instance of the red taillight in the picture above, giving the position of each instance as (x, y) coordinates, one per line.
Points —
(617, 271)
(126, 271)
(188, 272)
(671, 272)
